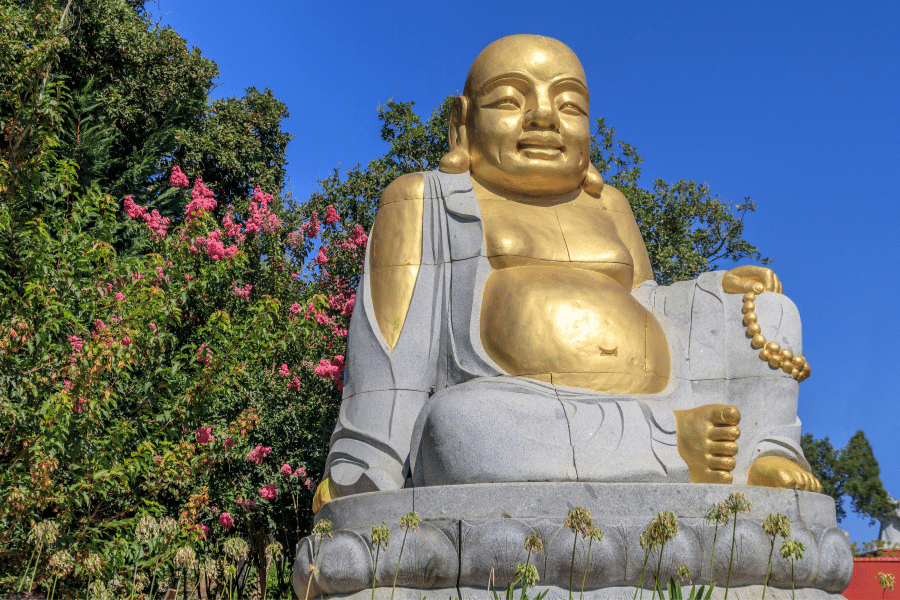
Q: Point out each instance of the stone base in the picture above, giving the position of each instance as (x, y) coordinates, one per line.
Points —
(473, 534)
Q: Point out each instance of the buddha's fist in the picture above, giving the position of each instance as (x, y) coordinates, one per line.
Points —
(780, 472)
(751, 278)
(706, 436)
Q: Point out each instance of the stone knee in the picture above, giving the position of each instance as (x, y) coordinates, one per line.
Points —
(491, 436)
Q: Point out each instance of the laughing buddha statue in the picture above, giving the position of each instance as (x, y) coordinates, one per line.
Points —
(508, 328)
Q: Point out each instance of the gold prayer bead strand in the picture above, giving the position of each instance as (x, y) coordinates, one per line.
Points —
(771, 352)
(749, 297)
(787, 358)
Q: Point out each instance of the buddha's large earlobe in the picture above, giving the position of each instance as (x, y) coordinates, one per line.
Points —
(593, 181)
(457, 160)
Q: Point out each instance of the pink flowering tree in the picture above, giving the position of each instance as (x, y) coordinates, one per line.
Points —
(177, 383)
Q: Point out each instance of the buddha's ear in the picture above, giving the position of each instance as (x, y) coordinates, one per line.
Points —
(457, 160)
(593, 181)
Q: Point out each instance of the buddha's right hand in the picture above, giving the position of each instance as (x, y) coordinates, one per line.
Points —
(751, 278)
(706, 441)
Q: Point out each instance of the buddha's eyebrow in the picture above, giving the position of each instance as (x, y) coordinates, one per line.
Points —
(503, 78)
(572, 83)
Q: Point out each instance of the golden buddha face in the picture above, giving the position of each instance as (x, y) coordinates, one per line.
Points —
(526, 117)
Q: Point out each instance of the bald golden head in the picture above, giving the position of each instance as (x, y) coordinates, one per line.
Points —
(534, 53)
(523, 119)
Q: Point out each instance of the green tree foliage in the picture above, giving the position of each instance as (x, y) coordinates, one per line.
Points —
(238, 145)
(687, 230)
(851, 472)
(823, 458)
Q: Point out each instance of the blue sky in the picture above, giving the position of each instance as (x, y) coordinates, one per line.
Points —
(796, 106)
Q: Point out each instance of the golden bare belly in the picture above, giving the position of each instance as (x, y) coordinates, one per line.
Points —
(573, 327)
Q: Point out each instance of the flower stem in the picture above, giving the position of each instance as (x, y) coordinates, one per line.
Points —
(572, 566)
(658, 567)
(586, 563)
(792, 578)
(27, 567)
(375, 570)
(313, 571)
(641, 582)
(731, 559)
(712, 555)
(768, 566)
(527, 561)
(34, 572)
(399, 558)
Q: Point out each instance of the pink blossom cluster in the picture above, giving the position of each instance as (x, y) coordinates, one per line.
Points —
(323, 319)
(153, 219)
(158, 459)
(202, 201)
(77, 344)
(79, 405)
(292, 239)
(322, 258)
(295, 384)
(341, 303)
(284, 371)
(232, 229)
(310, 484)
(268, 492)
(300, 472)
(204, 355)
(286, 470)
(262, 219)
(333, 370)
(357, 240)
(331, 215)
(201, 530)
(119, 296)
(229, 442)
(296, 308)
(178, 178)
(311, 228)
(215, 249)
(258, 454)
(226, 520)
(240, 292)
(247, 505)
(204, 435)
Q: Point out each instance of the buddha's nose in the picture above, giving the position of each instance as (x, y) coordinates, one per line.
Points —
(542, 114)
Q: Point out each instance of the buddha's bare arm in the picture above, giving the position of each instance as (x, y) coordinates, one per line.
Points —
(615, 201)
(396, 253)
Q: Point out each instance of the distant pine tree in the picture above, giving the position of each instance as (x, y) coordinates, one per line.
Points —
(851, 472)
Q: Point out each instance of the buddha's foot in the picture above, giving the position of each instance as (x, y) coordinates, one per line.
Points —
(780, 472)
(706, 436)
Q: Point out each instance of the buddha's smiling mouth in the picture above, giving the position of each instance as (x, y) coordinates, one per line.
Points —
(540, 147)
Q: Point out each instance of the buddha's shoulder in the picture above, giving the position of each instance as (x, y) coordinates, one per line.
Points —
(613, 200)
(409, 188)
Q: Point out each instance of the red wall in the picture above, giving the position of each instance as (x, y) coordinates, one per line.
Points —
(864, 584)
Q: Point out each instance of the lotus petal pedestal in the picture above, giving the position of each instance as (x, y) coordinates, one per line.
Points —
(471, 535)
